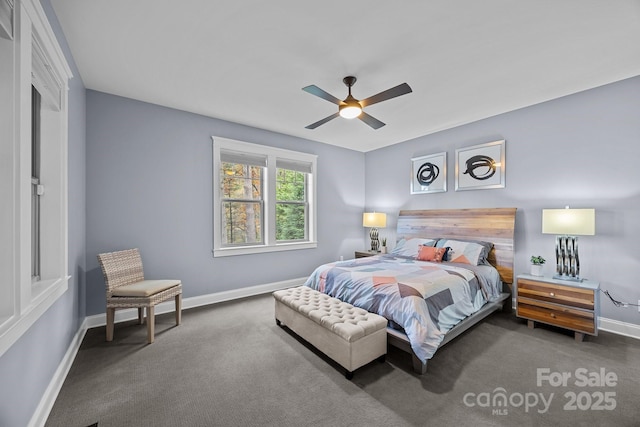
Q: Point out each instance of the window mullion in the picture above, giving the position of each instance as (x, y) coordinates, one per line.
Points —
(307, 217)
(310, 197)
(270, 201)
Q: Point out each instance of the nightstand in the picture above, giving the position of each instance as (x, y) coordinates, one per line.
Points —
(570, 305)
(364, 254)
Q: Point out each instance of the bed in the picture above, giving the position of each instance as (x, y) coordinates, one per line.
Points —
(429, 302)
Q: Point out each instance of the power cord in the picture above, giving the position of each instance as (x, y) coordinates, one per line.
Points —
(618, 303)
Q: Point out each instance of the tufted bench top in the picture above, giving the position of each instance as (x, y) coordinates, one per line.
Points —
(349, 322)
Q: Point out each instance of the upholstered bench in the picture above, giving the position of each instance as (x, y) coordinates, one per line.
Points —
(349, 335)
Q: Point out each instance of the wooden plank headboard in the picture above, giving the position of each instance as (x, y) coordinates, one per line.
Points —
(494, 225)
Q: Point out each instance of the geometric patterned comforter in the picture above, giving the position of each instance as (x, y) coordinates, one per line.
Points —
(425, 299)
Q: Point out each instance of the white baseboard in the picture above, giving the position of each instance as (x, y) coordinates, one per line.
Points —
(192, 302)
(620, 328)
(41, 414)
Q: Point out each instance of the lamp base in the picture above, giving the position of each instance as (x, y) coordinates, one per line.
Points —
(567, 260)
(375, 244)
(568, 278)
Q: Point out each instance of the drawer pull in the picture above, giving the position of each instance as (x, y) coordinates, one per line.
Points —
(551, 294)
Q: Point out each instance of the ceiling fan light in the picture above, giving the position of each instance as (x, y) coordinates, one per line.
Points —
(350, 111)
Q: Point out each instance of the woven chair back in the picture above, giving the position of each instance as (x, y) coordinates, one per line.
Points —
(121, 268)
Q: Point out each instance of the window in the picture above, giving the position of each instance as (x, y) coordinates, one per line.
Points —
(292, 205)
(264, 198)
(33, 168)
(242, 193)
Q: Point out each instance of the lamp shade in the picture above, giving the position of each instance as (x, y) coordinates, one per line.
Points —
(570, 222)
(374, 219)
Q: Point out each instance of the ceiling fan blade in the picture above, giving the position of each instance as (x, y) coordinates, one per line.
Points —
(370, 120)
(399, 90)
(315, 90)
(323, 121)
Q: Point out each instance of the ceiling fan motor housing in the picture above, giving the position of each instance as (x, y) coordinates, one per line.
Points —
(349, 81)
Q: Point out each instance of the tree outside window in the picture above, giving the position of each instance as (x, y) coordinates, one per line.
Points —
(242, 203)
(291, 205)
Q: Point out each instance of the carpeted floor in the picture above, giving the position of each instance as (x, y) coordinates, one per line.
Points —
(230, 365)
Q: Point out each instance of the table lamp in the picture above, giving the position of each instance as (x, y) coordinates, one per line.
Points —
(567, 224)
(374, 220)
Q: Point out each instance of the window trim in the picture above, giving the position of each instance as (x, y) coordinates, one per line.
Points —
(25, 301)
(272, 153)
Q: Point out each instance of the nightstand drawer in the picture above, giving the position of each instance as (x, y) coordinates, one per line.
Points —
(552, 292)
(553, 314)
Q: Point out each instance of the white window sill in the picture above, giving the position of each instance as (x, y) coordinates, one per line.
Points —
(43, 289)
(246, 250)
(44, 294)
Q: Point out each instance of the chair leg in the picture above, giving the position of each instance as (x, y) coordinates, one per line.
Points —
(178, 309)
(151, 320)
(140, 315)
(111, 314)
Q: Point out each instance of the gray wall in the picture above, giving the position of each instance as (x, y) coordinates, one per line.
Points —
(149, 185)
(28, 366)
(581, 150)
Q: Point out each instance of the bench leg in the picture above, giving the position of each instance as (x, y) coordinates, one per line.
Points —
(348, 375)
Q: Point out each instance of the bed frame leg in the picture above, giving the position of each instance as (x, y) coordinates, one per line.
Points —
(278, 322)
(507, 306)
(418, 367)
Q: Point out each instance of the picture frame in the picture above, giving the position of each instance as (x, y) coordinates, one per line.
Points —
(429, 174)
(481, 167)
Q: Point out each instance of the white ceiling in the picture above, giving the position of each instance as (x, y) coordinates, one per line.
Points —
(246, 61)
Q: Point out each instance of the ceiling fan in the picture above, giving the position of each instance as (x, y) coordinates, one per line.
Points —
(350, 107)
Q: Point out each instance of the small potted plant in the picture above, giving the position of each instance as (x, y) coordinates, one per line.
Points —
(384, 245)
(536, 265)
